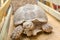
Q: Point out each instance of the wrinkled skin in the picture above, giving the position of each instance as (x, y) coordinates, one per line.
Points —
(17, 32)
(30, 20)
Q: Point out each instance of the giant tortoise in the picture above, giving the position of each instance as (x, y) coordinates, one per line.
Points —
(30, 20)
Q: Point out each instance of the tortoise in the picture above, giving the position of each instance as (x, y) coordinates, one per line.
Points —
(30, 20)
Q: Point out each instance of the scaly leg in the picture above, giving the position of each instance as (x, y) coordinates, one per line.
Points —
(47, 28)
(17, 33)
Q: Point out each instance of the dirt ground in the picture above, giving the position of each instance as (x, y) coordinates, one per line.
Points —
(18, 3)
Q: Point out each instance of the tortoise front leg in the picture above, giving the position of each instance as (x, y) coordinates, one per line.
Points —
(47, 28)
(17, 32)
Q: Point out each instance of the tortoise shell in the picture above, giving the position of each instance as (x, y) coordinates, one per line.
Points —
(29, 12)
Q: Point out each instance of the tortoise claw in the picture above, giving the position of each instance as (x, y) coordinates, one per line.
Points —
(17, 32)
(47, 28)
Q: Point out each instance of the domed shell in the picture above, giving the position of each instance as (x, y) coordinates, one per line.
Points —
(29, 12)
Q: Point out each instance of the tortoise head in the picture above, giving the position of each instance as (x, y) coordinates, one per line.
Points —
(28, 25)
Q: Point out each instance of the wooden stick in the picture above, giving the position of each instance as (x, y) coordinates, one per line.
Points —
(51, 11)
(4, 8)
(56, 2)
(2, 1)
(51, 4)
(4, 32)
